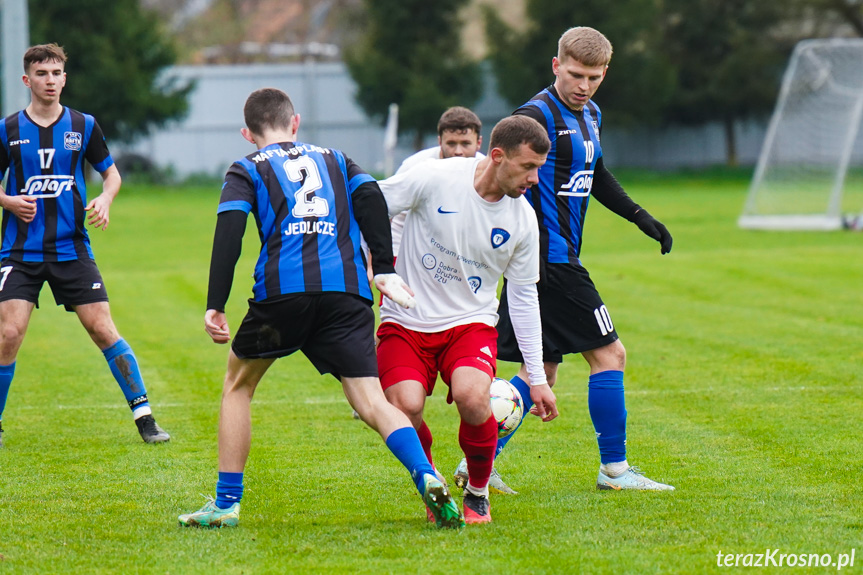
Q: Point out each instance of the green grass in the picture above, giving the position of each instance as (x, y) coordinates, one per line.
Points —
(743, 390)
(799, 190)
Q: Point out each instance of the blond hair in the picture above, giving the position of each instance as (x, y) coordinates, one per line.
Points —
(585, 45)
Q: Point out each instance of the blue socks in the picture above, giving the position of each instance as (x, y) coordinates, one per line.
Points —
(403, 442)
(607, 407)
(124, 367)
(608, 412)
(229, 489)
(6, 373)
(524, 389)
(405, 445)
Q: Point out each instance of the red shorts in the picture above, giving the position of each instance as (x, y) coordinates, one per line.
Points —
(404, 354)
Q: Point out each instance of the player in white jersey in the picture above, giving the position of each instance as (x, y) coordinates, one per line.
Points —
(466, 225)
(458, 136)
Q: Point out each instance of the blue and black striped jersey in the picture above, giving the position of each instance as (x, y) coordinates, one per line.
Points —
(300, 195)
(561, 197)
(48, 163)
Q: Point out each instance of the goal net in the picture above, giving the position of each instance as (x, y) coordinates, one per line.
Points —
(810, 171)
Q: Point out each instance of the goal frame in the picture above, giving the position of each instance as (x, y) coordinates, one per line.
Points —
(831, 218)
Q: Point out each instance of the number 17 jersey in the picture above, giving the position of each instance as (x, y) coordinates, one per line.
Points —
(47, 162)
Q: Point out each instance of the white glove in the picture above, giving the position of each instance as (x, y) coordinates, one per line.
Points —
(395, 288)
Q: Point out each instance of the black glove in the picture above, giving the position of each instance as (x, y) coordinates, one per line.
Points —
(653, 228)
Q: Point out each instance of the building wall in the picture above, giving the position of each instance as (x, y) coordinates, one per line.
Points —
(208, 140)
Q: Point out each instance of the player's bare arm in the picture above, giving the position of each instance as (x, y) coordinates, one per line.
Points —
(100, 206)
(23, 207)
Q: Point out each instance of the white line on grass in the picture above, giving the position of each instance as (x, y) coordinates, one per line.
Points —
(341, 399)
(160, 405)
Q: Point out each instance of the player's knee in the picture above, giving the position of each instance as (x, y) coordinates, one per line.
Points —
(473, 407)
(11, 337)
(103, 333)
(618, 355)
(240, 381)
(239, 388)
(407, 404)
(607, 358)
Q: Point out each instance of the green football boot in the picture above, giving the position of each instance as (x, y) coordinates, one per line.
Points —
(210, 516)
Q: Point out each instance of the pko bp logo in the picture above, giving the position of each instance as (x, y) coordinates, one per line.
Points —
(47, 186)
(579, 185)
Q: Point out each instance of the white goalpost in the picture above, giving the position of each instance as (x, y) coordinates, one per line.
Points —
(391, 138)
(810, 169)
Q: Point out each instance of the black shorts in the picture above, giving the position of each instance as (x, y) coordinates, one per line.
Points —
(73, 283)
(336, 331)
(574, 319)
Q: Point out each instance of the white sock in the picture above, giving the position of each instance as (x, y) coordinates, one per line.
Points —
(614, 469)
(141, 411)
(476, 490)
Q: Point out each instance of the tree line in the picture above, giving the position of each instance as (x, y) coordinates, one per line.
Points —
(116, 52)
(675, 61)
(685, 62)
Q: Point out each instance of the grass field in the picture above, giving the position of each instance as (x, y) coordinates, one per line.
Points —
(743, 390)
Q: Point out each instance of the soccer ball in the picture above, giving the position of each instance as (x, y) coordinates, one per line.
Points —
(506, 406)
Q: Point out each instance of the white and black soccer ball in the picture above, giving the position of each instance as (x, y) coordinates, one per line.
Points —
(507, 406)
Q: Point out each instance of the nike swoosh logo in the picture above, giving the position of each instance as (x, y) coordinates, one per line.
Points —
(440, 210)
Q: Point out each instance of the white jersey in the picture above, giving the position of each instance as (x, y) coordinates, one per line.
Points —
(421, 156)
(398, 222)
(456, 245)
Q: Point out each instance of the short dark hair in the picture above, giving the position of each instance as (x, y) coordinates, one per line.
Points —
(513, 131)
(267, 108)
(43, 53)
(458, 119)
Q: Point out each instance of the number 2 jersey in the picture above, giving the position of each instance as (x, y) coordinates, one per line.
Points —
(48, 163)
(456, 245)
(301, 197)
